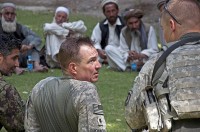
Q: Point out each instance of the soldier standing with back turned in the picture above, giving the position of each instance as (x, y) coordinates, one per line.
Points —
(178, 100)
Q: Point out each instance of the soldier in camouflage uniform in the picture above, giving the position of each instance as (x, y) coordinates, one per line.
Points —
(176, 26)
(69, 103)
(11, 104)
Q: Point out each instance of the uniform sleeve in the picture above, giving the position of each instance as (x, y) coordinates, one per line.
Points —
(11, 109)
(30, 37)
(133, 107)
(152, 45)
(134, 104)
(30, 123)
(96, 37)
(91, 116)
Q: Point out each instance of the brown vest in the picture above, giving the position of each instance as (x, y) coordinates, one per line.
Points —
(126, 33)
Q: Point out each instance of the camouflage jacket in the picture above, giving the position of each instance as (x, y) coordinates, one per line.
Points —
(11, 108)
(134, 105)
(64, 104)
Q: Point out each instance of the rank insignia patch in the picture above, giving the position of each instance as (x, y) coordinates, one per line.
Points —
(97, 109)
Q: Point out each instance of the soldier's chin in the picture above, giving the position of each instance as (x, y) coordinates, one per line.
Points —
(94, 80)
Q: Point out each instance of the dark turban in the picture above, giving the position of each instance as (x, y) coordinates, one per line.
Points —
(133, 13)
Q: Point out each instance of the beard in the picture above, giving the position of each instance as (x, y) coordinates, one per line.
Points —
(112, 20)
(8, 27)
(4, 73)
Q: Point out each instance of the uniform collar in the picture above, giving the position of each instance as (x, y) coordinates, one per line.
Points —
(189, 35)
(185, 36)
(166, 46)
(66, 77)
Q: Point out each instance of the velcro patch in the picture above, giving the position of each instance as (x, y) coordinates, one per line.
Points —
(97, 109)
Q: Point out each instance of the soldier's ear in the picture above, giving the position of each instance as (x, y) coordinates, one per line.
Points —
(172, 25)
(72, 68)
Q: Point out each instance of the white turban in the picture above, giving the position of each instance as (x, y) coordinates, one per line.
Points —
(4, 5)
(62, 9)
(103, 2)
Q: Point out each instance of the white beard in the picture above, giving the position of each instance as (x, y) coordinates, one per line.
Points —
(8, 27)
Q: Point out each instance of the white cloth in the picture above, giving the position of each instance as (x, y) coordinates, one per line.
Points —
(56, 34)
(103, 2)
(117, 57)
(8, 5)
(112, 40)
(62, 9)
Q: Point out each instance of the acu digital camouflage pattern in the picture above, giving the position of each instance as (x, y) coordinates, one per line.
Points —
(11, 108)
(134, 109)
(183, 67)
(184, 81)
(64, 104)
